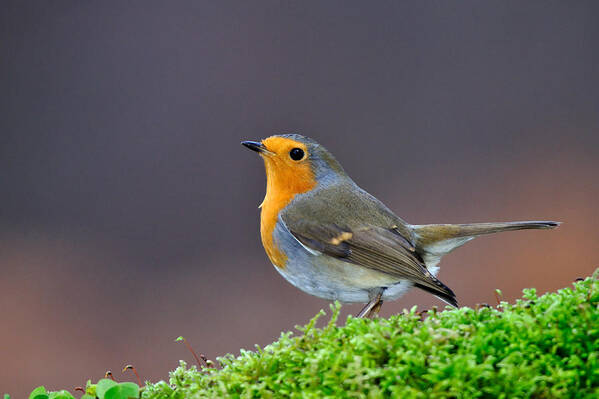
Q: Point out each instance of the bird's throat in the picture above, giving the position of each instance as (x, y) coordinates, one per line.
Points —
(282, 185)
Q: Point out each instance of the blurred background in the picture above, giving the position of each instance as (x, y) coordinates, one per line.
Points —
(129, 211)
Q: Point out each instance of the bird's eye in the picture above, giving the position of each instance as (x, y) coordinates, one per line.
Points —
(296, 154)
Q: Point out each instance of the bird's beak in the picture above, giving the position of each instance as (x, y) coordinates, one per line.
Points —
(257, 146)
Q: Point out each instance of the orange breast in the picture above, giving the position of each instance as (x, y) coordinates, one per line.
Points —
(282, 185)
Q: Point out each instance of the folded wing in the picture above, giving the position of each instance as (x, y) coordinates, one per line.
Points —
(378, 248)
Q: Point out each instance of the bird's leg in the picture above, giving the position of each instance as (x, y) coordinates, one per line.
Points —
(375, 310)
(373, 307)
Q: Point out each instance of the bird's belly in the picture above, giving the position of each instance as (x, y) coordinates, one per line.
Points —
(329, 278)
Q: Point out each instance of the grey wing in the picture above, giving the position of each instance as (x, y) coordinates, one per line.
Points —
(350, 204)
(377, 248)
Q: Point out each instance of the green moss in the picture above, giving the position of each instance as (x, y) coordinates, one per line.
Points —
(540, 347)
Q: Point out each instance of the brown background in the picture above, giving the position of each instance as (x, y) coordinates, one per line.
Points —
(128, 209)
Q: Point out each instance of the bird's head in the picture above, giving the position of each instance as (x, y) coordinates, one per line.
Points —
(296, 163)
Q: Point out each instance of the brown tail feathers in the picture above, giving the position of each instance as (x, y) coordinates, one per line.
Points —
(435, 240)
(443, 238)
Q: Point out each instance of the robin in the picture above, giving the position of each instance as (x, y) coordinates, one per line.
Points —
(330, 238)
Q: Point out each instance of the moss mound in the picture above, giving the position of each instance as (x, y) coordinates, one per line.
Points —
(539, 347)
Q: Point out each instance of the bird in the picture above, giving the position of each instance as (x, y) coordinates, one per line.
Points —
(330, 238)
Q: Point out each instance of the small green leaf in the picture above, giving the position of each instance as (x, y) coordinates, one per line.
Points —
(104, 385)
(86, 396)
(6, 396)
(124, 390)
(39, 393)
(61, 395)
(90, 389)
(179, 339)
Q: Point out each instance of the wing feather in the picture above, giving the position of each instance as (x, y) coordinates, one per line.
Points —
(377, 248)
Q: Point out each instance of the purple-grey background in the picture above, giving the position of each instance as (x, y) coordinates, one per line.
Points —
(128, 209)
